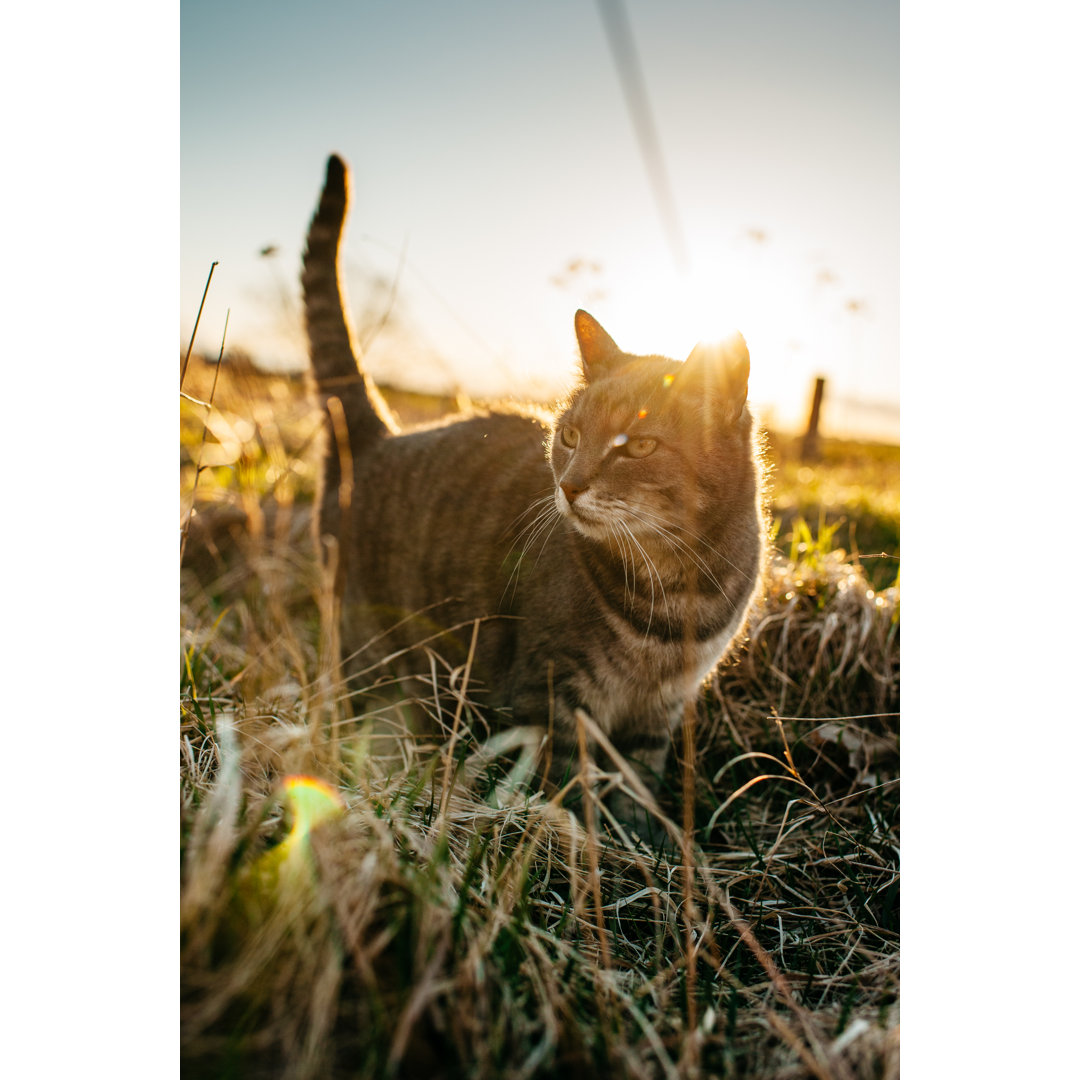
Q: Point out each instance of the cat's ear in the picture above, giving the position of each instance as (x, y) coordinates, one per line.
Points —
(599, 354)
(719, 371)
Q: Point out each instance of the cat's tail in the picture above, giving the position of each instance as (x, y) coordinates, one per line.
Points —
(335, 365)
(354, 413)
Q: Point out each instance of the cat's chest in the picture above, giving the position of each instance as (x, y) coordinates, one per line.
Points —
(647, 686)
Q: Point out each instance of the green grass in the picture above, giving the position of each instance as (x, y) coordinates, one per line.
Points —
(454, 924)
(852, 490)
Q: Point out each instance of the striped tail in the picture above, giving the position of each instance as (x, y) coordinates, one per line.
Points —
(334, 362)
(355, 415)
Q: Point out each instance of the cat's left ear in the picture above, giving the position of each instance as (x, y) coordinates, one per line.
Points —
(720, 370)
(599, 354)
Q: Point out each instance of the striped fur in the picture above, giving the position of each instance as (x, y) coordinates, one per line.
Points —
(609, 553)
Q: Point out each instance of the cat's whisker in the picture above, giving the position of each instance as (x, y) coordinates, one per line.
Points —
(556, 517)
(633, 567)
(633, 573)
(665, 530)
(657, 522)
(677, 544)
(653, 573)
(542, 521)
(548, 520)
(620, 529)
(530, 526)
(627, 591)
(547, 497)
(546, 517)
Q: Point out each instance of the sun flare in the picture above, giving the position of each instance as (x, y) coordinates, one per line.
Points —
(648, 309)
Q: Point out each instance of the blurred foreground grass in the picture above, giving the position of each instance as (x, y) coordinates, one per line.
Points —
(452, 923)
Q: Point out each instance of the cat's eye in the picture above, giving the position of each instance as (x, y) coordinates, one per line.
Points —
(570, 435)
(639, 448)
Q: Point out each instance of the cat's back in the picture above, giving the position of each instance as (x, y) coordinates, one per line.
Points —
(471, 462)
(436, 509)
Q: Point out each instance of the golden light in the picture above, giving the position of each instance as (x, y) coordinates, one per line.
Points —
(767, 298)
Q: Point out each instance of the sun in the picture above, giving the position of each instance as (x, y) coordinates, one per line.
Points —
(649, 308)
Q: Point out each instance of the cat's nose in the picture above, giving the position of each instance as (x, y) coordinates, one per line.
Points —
(572, 491)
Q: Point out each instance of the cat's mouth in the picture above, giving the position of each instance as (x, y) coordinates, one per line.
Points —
(587, 520)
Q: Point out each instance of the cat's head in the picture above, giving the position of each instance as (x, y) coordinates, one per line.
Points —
(650, 443)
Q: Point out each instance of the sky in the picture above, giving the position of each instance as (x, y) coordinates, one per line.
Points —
(499, 184)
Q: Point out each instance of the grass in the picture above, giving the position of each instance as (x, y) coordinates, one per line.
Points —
(451, 923)
(851, 492)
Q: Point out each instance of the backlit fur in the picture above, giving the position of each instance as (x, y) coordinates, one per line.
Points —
(610, 552)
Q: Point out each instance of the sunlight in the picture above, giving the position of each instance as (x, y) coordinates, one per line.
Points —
(649, 310)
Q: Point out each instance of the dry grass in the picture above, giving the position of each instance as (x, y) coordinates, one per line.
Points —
(454, 923)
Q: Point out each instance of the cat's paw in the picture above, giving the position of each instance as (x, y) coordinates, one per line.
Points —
(638, 823)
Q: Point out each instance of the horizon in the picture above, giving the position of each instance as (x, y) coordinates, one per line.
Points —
(508, 188)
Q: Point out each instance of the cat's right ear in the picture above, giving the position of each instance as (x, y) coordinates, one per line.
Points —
(720, 372)
(599, 354)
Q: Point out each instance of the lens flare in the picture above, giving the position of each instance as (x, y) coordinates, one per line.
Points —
(311, 803)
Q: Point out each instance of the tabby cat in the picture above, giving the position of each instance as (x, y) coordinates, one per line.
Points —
(609, 554)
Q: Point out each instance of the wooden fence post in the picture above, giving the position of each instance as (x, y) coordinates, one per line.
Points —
(810, 447)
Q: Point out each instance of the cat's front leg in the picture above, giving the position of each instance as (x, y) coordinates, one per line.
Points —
(625, 797)
(561, 775)
(647, 758)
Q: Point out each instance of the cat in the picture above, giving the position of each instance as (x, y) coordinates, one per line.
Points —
(604, 559)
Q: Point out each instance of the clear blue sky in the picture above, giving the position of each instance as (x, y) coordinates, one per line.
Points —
(491, 144)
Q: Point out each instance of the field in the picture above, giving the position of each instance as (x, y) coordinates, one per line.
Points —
(445, 921)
